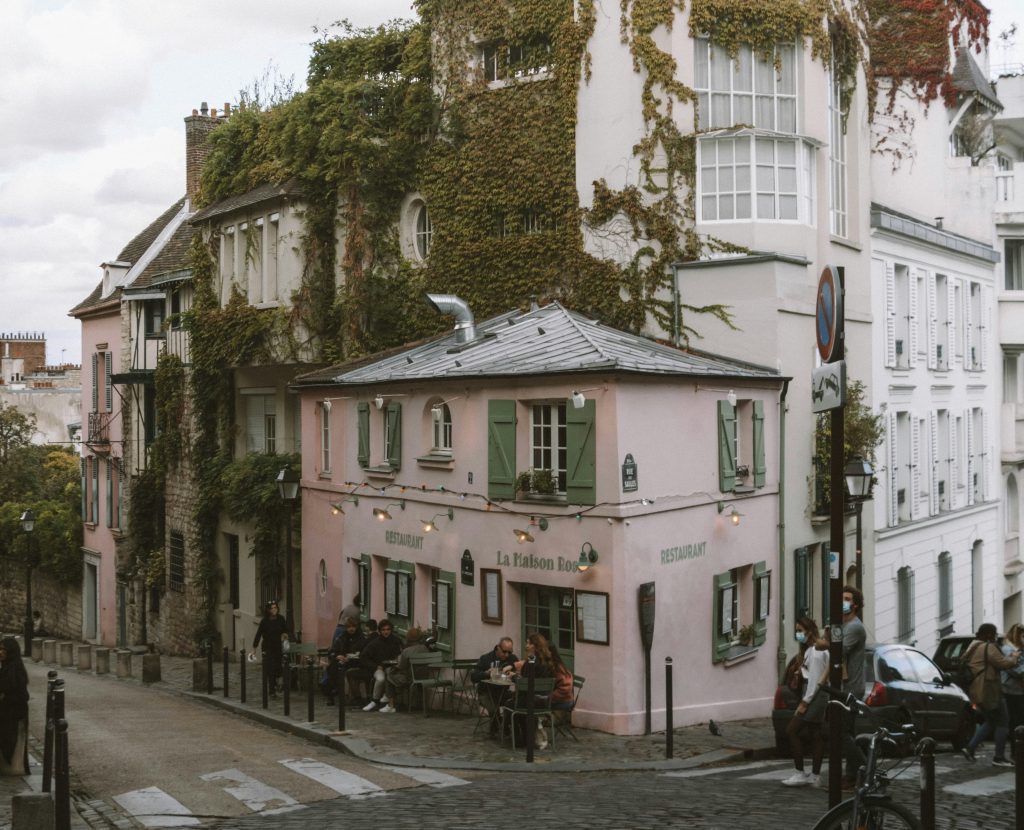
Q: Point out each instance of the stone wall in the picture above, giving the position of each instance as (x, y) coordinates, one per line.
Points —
(60, 605)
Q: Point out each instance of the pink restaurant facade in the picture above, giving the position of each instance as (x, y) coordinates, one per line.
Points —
(658, 450)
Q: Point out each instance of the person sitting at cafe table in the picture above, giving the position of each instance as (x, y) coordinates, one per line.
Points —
(538, 649)
(400, 677)
(503, 658)
(376, 657)
(342, 656)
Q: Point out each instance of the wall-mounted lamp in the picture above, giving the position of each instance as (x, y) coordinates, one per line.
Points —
(730, 394)
(378, 401)
(734, 514)
(578, 398)
(336, 507)
(381, 514)
(522, 535)
(429, 524)
(588, 557)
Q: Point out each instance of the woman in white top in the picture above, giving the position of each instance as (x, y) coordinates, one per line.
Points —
(810, 712)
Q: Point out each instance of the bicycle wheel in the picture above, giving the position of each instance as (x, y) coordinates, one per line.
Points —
(875, 814)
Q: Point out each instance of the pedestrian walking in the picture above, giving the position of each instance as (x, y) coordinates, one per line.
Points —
(855, 637)
(985, 660)
(1013, 683)
(13, 710)
(812, 671)
(272, 631)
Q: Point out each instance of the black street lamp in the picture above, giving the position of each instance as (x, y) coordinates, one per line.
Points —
(288, 487)
(28, 524)
(859, 478)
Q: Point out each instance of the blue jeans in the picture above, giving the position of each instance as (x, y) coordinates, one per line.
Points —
(997, 722)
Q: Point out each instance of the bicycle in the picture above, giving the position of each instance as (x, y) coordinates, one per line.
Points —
(871, 807)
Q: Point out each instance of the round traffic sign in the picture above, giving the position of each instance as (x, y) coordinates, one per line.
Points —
(828, 315)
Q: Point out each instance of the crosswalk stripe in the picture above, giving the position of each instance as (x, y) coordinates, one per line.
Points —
(430, 777)
(700, 773)
(152, 807)
(257, 796)
(343, 783)
(993, 785)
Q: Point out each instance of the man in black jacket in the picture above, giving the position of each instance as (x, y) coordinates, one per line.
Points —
(343, 656)
(502, 657)
(384, 650)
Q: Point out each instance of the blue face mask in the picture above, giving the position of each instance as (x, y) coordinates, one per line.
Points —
(800, 636)
(847, 606)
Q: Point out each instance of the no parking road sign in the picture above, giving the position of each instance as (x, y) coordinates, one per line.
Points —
(828, 315)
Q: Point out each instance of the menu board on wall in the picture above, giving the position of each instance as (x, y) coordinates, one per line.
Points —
(592, 617)
(490, 596)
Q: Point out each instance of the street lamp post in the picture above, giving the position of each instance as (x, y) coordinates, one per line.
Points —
(859, 477)
(288, 487)
(28, 524)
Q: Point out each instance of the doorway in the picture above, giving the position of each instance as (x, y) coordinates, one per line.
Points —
(91, 598)
(550, 611)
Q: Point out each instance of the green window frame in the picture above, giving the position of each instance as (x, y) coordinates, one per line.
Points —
(363, 424)
(393, 435)
(726, 447)
(501, 449)
(760, 468)
(801, 582)
(85, 492)
(401, 611)
(724, 620)
(762, 601)
(581, 448)
(442, 609)
(365, 573)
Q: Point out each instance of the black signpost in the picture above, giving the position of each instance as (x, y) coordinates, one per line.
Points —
(630, 483)
(645, 597)
(467, 568)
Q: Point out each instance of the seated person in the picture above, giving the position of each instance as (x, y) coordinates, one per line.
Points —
(503, 657)
(400, 677)
(386, 647)
(545, 664)
(562, 696)
(342, 657)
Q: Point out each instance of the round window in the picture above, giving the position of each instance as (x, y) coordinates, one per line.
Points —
(424, 231)
(323, 577)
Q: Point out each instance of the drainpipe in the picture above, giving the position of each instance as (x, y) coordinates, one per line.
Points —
(781, 652)
(465, 329)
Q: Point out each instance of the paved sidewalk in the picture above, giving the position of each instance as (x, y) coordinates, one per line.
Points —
(446, 741)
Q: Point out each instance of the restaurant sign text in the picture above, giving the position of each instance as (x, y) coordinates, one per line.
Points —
(405, 540)
(538, 563)
(681, 553)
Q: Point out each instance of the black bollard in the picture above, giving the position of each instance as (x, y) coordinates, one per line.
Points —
(1018, 751)
(310, 687)
(62, 778)
(226, 658)
(51, 679)
(669, 730)
(209, 667)
(241, 676)
(339, 677)
(286, 681)
(531, 718)
(926, 751)
(265, 680)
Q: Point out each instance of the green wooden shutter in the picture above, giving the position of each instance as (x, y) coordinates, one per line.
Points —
(365, 586)
(801, 601)
(720, 643)
(726, 447)
(501, 449)
(394, 427)
(85, 491)
(402, 622)
(581, 454)
(759, 465)
(363, 420)
(762, 596)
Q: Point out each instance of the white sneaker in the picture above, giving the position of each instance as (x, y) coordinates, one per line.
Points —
(369, 707)
(387, 708)
(813, 780)
(797, 779)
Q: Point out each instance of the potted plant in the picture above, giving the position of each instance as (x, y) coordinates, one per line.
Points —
(535, 483)
(747, 634)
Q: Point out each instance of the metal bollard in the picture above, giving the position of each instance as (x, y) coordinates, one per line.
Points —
(209, 667)
(51, 682)
(926, 752)
(227, 655)
(264, 680)
(310, 685)
(1018, 751)
(286, 681)
(342, 689)
(531, 718)
(669, 730)
(241, 676)
(62, 782)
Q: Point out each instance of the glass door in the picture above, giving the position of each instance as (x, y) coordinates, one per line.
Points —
(549, 611)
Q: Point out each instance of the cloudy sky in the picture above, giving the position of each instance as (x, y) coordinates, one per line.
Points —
(92, 97)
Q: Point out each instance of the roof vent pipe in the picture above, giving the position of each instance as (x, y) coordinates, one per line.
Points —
(465, 329)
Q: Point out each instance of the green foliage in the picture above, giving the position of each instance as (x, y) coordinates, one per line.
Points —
(16, 430)
(862, 433)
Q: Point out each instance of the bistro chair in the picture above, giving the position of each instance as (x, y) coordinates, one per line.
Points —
(425, 669)
(463, 687)
(542, 688)
(563, 717)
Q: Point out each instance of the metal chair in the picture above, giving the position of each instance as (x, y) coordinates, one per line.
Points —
(563, 717)
(463, 688)
(542, 688)
(425, 670)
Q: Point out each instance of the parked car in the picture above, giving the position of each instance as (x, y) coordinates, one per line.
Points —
(951, 649)
(901, 685)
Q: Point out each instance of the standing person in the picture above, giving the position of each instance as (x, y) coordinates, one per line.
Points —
(13, 710)
(271, 632)
(855, 638)
(984, 659)
(810, 711)
(350, 611)
(1013, 682)
(380, 654)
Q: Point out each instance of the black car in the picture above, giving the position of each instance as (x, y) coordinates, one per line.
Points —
(901, 685)
(950, 649)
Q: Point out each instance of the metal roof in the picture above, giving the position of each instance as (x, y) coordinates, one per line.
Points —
(544, 341)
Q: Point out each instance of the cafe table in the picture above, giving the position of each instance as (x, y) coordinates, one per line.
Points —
(498, 689)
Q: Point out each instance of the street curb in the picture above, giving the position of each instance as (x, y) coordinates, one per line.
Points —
(360, 748)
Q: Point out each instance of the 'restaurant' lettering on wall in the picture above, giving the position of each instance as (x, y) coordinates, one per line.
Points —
(681, 553)
(405, 540)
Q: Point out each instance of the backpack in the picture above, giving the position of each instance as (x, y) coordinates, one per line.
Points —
(963, 676)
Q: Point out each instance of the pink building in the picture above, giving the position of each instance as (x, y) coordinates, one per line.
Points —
(531, 473)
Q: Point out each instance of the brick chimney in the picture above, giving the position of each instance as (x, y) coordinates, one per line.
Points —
(198, 126)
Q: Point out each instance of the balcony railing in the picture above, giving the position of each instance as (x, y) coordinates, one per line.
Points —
(99, 428)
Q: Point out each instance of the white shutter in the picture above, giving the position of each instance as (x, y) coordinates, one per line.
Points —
(912, 327)
(969, 453)
(108, 371)
(984, 326)
(255, 411)
(890, 314)
(915, 467)
(933, 323)
(954, 461)
(95, 383)
(968, 326)
(892, 474)
(950, 326)
(933, 461)
(983, 465)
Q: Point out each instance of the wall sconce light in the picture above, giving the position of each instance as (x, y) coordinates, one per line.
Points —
(382, 514)
(336, 507)
(730, 395)
(522, 535)
(578, 398)
(734, 514)
(378, 401)
(429, 524)
(588, 557)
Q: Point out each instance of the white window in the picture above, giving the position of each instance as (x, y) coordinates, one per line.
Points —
(441, 418)
(529, 59)
(837, 157)
(746, 90)
(1013, 265)
(325, 436)
(260, 421)
(905, 604)
(227, 255)
(548, 441)
(424, 231)
(270, 269)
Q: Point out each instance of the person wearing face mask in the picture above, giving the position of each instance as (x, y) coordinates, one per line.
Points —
(855, 637)
(810, 712)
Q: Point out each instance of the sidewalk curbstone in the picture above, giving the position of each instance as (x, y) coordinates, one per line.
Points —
(102, 661)
(84, 657)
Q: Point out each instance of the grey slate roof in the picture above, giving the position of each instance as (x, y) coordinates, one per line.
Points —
(546, 341)
(173, 257)
(968, 78)
(263, 193)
